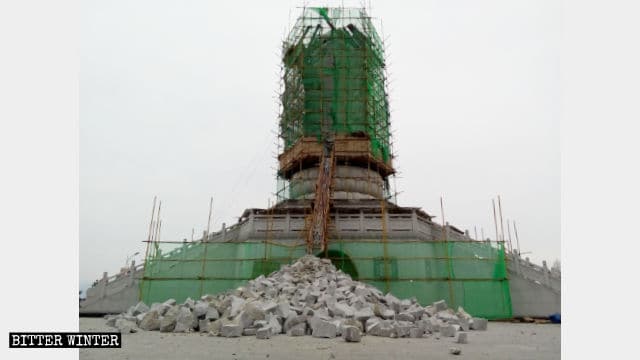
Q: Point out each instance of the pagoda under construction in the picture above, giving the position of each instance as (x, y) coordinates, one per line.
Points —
(334, 197)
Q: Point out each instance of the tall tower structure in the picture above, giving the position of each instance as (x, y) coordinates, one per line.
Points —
(334, 106)
(335, 162)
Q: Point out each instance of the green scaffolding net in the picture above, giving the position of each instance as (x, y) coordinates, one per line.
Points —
(334, 80)
(470, 274)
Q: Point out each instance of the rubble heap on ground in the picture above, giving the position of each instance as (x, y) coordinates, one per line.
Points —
(309, 297)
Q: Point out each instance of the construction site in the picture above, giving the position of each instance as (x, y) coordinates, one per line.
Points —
(336, 201)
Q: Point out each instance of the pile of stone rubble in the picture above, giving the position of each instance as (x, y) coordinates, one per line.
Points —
(309, 297)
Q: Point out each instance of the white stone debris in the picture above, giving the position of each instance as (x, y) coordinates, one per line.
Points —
(308, 297)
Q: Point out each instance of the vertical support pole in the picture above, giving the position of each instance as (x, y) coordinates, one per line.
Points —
(384, 244)
(517, 239)
(205, 243)
(495, 219)
(146, 253)
(446, 244)
(502, 224)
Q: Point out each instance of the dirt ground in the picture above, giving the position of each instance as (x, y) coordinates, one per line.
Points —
(500, 341)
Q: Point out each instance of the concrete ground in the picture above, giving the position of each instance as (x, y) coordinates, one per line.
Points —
(500, 341)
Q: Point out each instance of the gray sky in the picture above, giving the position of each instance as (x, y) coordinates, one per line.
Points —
(178, 99)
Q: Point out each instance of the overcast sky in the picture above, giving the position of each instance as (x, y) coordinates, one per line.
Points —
(178, 99)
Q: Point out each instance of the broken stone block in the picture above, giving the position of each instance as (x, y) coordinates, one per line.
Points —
(204, 325)
(324, 329)
(448, 331)
(293, 320)
(440, 306)
(447, 316)
(150, 321)
(200, 309)
(465, 324)
(402, 329)
(350, 322)
(212, 313)
(189, 303)
(269, 306)
(275, 323)
(370, 323)
(139, 308)
(250, 314)
(416, 332)
(424, 325)
(462, 338)
(383, 328)
(404, 305)
(416, 312)
(463, 314)
(170, 302)
(237, 304)
(161, 308)
(250, 331)
(455, 351)
(429, 310)
(231, 330)
(479, 324)
(111, 320)
(214, 327)
(351, 334)
(125, 326)
(363, 314)
(405, 316)
(342, 310)
(297, 330)
(168, 322)
(184, 320)
(264, 333)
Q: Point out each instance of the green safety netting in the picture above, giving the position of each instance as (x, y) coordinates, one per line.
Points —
(334, 81)
(468, 274)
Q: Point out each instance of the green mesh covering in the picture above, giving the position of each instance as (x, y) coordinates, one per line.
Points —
(334, 81)
(468, 274)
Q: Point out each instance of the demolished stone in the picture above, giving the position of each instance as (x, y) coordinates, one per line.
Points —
(293, 320)
(351, 334)
(462, 338)
(455, 351)
(214, 327)
(200, 309)
(448, 331)
(189, 303)
(139, 308)
(204, 325)
(184, 320)
(125, 326)
(324, 329)
(168, 322)
(297, 330)
(250, 331)
(111, 319)
(479, 324)
(402, 328)
(274, 323)
(231, 330)
(236, 305)
(150, 321)
(308, 297)
(212, 313)
(264, 333)
(440, 305)
(405, 316)
(416, 332)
